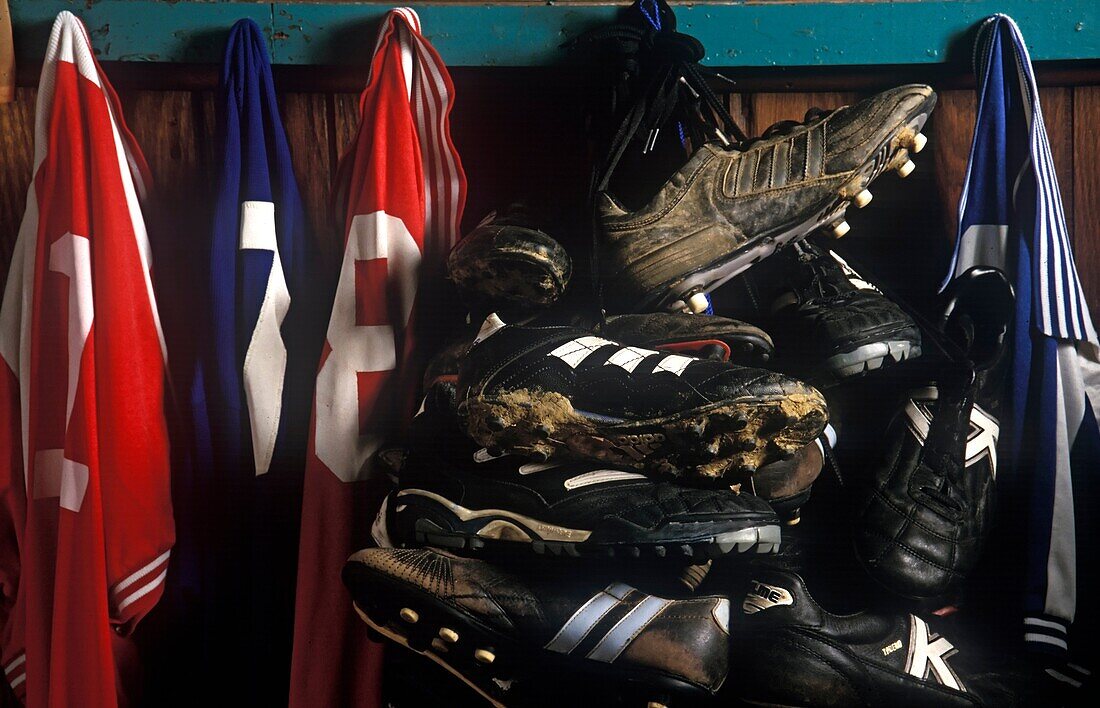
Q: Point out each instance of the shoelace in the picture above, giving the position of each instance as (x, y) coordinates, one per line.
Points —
(658, 78)
(824, 277)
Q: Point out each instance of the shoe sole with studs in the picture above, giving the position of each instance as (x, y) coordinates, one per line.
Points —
(894, 154)
(491, 663)
(729, 438)
(866, 358)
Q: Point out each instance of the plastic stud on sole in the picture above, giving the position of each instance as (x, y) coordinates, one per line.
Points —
(919, 141)
(863, 198)
(409, 615)
(841, 229)
(440, 646)
(693, 576)
(796, 516)
(698, 303)
(906, 169)
(448, 635)
(485, 656)
(655, 704)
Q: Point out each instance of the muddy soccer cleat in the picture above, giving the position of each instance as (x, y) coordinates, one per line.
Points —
(509, 264)
(491, 629)
(829, 323)
(454, 494)
(791, 652)
(718, 338)
(562, 392)
(728, 208)
(929, 507)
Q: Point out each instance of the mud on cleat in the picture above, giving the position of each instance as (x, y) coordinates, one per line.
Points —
(566, 393)
(454, 494)
(728, 208)
(491, 629)
(509, 264)
(792, 652)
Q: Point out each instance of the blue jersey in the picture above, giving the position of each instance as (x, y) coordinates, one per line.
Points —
(252, 391)
(1011, 217)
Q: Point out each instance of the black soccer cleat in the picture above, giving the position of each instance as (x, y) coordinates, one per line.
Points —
(829, 322)
(563, 392)
(930, 503)
(730, 207)
(791, 652)
(454, 494)
(491, 629)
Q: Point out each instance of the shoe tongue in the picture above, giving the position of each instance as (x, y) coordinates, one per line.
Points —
(489, 327)
(857, 280)
(778, 596)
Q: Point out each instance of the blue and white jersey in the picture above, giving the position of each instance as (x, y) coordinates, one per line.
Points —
(239, 507)
(1011, 217)
(257, 255)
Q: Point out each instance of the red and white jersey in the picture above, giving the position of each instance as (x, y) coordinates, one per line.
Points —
(401, 189)
(85, 509)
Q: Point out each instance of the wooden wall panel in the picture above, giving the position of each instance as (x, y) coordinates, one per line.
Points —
(952, 130)
(1086, 189)
(519, 141)
(768, 108)
(345, 113)
(16, 158)
(740, 107)
(307, 118)
(175, 130)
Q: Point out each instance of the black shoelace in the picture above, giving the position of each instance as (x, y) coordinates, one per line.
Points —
(657, 82)
(824, 278)
(659, 79)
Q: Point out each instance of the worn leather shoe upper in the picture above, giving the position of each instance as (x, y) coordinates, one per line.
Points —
(726, 208)
(791, 652)
(930, 504)
(581, 623)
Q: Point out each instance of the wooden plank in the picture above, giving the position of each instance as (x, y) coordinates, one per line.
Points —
(17, 147)
(769, 108)
(951, 131)
(164, 124)
(307, 119)
(345, 111)
(740, 107)
(814, 33)
(1086, 191)
(171, 128)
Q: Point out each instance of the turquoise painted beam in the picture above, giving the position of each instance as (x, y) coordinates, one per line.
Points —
(736, 33)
